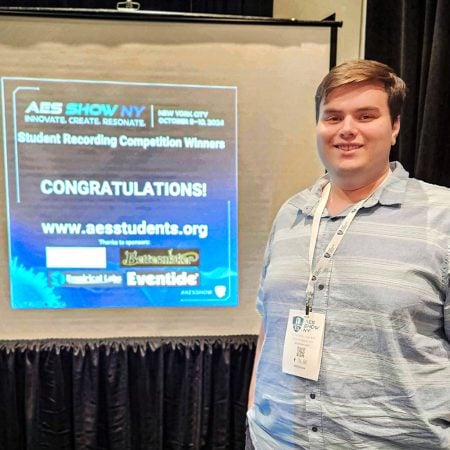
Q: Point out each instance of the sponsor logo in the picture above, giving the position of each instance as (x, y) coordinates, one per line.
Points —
(168, 279)
(77, 279)
(139, 257)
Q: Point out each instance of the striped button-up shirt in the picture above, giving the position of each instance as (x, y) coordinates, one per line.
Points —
(384, 381)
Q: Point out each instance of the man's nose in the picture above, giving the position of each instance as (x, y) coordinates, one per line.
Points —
(348, 127)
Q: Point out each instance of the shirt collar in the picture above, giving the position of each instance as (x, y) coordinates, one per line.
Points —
(393, 190)
(390, 193)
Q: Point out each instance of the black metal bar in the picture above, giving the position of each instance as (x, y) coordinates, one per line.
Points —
(333, 42)
(162, 16)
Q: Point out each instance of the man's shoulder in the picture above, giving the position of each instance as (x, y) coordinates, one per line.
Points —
(415, 191)
(428, 204)
(432, 193)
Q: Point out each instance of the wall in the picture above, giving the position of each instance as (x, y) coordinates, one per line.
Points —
(350, 12)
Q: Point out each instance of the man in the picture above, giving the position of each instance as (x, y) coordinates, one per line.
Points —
(354, 348)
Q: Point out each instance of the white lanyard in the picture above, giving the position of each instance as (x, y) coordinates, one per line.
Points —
(331, 247)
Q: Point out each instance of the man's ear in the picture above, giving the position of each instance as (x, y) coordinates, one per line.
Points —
(395, 130)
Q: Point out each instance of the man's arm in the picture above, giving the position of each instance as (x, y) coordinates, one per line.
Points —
(251, 391)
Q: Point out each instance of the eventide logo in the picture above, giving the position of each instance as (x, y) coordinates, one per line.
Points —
(169, 279)
(143, 257)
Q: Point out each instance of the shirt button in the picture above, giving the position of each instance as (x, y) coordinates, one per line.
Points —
(321, 286)
(313, 396)
(314, 429)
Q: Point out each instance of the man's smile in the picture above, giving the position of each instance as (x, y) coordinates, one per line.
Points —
(348, 147)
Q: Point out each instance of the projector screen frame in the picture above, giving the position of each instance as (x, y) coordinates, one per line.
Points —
(105, 322)
(169, 16)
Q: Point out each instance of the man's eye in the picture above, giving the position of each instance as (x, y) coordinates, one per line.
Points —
(366, 117)
(331, 118)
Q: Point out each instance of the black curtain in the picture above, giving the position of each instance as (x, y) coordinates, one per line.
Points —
(413, 37)
(235, 7)
(179, 393)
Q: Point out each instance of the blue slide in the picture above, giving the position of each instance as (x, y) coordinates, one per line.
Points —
(120, 194)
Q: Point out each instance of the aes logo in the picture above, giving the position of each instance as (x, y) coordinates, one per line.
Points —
(44, 108)
(297, 322)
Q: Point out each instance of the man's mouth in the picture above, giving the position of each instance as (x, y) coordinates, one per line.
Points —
(348, 147)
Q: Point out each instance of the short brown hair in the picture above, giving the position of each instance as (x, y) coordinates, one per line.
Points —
(361, 70)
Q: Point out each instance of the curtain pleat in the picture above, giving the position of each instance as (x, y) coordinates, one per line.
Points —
(180, 393)
(11, 402)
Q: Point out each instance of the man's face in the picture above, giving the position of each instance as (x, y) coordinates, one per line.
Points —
(355, 133)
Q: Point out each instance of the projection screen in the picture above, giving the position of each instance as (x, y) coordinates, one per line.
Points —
(144, 161)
